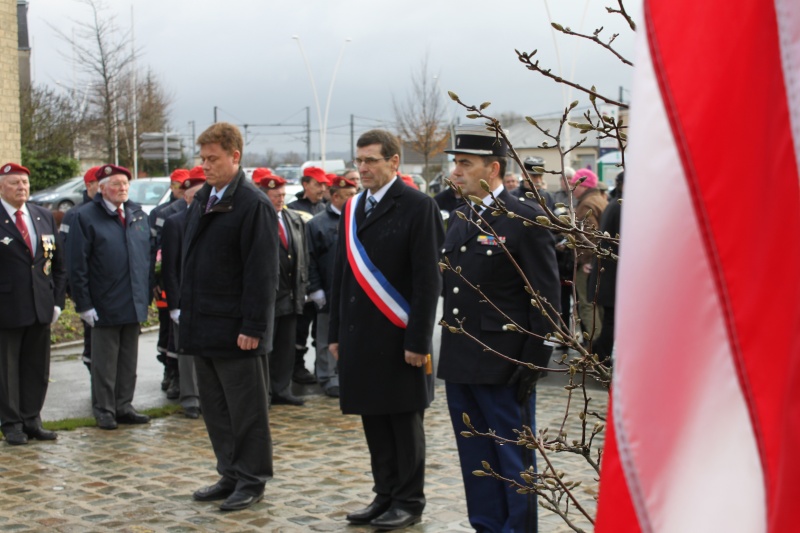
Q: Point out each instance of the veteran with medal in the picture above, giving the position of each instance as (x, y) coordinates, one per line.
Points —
(495, 393)
(32, 289)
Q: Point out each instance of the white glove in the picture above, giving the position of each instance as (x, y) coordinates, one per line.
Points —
(56, 314)
(318, 297)
(175, 315)
(90, 317)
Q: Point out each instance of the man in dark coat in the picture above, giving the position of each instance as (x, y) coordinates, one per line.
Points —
(185, 380)
(230, 278)
(292, 285)
(323, 235)
(32, 285)
(495, 393)
(310, 200)
(109, 249)
(383, 339)
(156, 218)
(610, 223)
(90, 180)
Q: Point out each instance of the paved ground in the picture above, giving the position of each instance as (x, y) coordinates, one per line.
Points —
(140, 478)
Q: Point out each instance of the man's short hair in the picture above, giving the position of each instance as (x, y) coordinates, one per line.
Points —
(489, 159)
(225, 134)
(389, 144)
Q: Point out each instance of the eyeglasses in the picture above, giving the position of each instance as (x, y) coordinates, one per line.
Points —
(369, 161)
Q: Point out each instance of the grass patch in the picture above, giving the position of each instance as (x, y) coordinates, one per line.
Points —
(68, 424)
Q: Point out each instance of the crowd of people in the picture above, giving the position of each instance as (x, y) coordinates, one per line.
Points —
(241, 279)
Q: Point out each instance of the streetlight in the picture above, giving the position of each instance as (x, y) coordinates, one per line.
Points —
(323, 128)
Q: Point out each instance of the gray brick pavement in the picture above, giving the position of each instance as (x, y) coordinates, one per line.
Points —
(140, 478)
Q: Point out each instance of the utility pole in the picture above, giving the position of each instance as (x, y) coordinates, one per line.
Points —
(215, 114)
(308, 133)
(352, 137)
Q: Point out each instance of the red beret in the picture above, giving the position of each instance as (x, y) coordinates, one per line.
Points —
(316, 173)
(179, 174)
(196, 177)
(91, 175)
(343, 182)
(13, 168)
(271, 182)
(197, 172)
(109, 170)
(260, 173)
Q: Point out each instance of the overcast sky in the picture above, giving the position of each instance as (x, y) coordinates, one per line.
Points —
(239, 55)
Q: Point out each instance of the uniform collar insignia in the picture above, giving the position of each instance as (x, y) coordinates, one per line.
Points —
(7, 240)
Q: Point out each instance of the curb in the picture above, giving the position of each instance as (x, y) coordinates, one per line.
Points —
(79, 342)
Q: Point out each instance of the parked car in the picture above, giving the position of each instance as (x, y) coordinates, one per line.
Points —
(149, 192)
(291, 173)
(61, 197)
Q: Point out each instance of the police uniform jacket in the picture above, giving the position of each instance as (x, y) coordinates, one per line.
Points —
(293, 281)
(109, 263)
(30, 286)
(402, 237)
(323, 234)
(483, 262)
(229, 272)
(171, 246)
(304, 204)
(157, 219)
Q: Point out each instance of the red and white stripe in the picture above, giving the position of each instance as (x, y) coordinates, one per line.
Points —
(705, 430)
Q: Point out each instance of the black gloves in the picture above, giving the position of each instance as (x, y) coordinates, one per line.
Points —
(523, 377)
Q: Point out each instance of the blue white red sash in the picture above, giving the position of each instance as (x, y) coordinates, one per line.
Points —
(385, 297)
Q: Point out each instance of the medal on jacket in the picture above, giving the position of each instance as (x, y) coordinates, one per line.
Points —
(490, 240)
(385, 297)
(48, 266)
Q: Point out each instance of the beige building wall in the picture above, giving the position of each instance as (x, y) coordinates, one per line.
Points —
(9, 83)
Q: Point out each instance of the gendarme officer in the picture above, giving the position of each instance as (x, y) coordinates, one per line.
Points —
(495, 393)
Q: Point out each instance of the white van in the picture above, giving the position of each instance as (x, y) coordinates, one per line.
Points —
(331, 166)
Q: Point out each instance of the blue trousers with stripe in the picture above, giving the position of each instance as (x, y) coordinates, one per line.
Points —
(492, 505)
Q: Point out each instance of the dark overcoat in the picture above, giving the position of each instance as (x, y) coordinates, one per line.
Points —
(484, 263)
(323, 235)
(229, 272)
(30, 287)
(295, 281)
(607, 291)
(402, 238)
(109, 263)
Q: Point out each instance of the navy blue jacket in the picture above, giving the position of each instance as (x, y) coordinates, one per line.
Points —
(30, 286)
(229, 264)
(109, 263)
(322, 235)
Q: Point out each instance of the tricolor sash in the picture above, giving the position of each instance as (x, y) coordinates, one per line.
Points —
(385, 297)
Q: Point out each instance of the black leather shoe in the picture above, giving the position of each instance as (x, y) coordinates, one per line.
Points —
(16, 437)
(191, 412)
(240, 500)
(174, 389)
(165, 381)
(217, 491)
(302, 376)
(133, 417)
(395, 519)
(368, 513)
(106, 421)
(333, 392)
(40, 433)
(287, 399)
